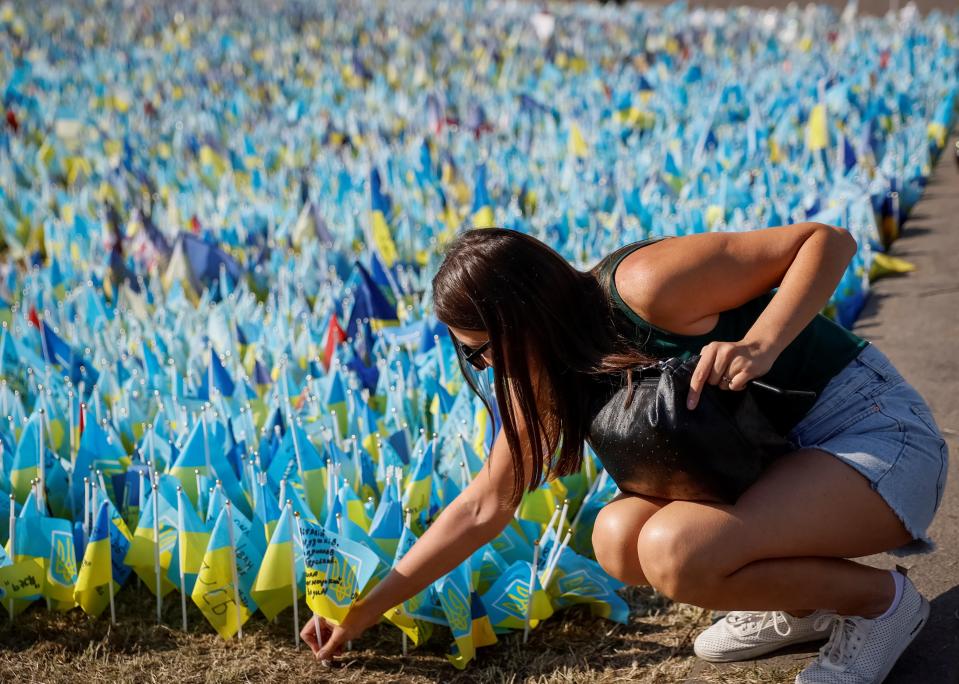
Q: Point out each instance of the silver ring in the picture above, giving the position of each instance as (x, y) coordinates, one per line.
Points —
(725, 379)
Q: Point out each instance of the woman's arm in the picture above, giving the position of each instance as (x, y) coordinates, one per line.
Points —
(683, 284)
(476, 516)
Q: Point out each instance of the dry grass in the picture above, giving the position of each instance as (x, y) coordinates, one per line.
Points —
(570, 647)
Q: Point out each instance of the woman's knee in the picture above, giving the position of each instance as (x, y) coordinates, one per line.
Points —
(615, 535)
(679, 560)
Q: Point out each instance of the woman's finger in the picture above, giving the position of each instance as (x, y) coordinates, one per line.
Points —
(331, 646)
(720, 364)
(308, 634)
(700, 376)
(738, 374)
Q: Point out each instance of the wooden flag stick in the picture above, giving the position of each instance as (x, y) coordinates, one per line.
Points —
(554, 560)
(199, 487)
(156, 551)
(113, 607)
(206, 440)
(42, 462)
(562, 518)
(180, 523)
(86, 509)
(141, 496)
(13, 541)
(549, 525)
(296, 598)
(532, 584)
(236, 580)
(582, 506)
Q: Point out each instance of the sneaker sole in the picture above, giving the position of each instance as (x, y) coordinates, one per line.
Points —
(762, 649)
(923, 619)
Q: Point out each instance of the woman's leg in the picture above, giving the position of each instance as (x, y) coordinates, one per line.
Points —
(782, 546)
(616, 532)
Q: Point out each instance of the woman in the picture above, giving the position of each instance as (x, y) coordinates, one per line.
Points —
(866, 476)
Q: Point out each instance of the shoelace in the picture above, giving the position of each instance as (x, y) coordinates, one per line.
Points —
(775, 617)
(843, 642)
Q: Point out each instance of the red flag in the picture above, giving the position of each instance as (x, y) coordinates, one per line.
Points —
(83, 417)
(12, 121)
(334, 335)
(33, 318)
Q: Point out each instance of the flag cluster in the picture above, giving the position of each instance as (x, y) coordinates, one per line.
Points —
(219, 369)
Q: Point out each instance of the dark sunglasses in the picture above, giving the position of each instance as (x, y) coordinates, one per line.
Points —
(474, 356)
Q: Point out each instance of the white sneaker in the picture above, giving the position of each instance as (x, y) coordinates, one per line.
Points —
(742, 635)
(862, 651)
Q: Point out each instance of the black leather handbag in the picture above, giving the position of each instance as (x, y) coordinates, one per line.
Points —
(651, 444)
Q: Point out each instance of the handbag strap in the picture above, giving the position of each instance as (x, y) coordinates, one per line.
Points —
(674, 362)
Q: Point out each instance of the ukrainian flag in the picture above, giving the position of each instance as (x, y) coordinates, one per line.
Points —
(416, 491)
(93, 580)
(371, 303)
(465, 615)
(387, 523)
(20, 582)
(267, 510)
(215, 592)
(817, 129)
(25, 468)
(509, 597)
(482, 210)
(140, 555)
(193, 458)
(381, 210)
(539, 504)
(576, 145)
(273, 588)
(25, 580)
(353, 506)
(577, 579)
(60, 558)
(338, 570)
(193, 536)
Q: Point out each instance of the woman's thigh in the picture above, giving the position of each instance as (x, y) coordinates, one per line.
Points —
(807, 503)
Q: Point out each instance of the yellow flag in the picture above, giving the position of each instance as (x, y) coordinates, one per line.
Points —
(383, 239)
(884, 265)
(576, 144)
(817, 130)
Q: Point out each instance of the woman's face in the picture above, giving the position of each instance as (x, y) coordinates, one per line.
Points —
(473, 339)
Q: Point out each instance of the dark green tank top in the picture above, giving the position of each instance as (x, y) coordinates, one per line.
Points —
(819, 352)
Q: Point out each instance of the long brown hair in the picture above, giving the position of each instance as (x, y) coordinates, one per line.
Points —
(535, 306)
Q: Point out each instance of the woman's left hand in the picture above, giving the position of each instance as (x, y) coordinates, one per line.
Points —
(730, 365)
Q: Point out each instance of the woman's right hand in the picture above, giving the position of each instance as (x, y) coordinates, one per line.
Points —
(334, 637)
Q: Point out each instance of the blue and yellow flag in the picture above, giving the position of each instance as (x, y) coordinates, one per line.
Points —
(92, 591)
(465, 614)
(338, 570)
(20, 582)
(509, 597)
(380, 216)
(418, 485)
(273, 588)
(577, 579)
(482, 210)
(192, 539)
(215, 591)
(26, 464)
(140, 556)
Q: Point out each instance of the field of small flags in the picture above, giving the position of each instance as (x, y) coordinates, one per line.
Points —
(225, 403)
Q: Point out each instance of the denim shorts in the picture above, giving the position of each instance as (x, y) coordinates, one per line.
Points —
(872, 419)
